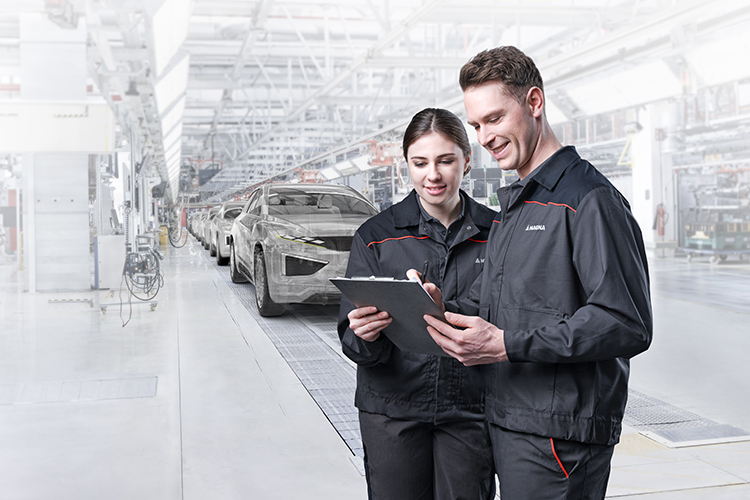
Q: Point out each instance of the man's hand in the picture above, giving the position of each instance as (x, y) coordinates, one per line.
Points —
(480, 343)
(368, 322)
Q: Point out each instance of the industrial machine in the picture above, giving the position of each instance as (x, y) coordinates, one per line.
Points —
(716, 220)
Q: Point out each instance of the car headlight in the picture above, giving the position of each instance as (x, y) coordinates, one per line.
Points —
(299, 255)
(303, 239)
(335, 243)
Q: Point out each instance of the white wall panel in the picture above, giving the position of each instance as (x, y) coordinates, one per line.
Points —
(76, 127)
(61, 233)
(53, 59)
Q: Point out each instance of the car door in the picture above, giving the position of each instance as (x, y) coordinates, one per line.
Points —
(255, 224)
(244, 241)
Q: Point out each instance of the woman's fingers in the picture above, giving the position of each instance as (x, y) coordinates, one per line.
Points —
(367, 322)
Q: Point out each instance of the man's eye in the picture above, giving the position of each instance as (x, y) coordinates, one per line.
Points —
(419, 164)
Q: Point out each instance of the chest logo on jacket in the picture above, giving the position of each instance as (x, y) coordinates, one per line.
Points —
(537, 227)
(480, 260)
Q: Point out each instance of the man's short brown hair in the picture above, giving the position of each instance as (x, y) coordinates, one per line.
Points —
(507, 65)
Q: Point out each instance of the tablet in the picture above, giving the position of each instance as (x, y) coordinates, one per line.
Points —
(406, 301)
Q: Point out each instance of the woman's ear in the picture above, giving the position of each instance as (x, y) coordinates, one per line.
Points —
(467, 167)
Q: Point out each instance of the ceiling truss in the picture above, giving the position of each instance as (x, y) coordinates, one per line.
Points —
(276, 85)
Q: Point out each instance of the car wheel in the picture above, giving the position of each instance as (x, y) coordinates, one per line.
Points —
(234, 272)
(212, 250)
(221, 260)
(266, 306)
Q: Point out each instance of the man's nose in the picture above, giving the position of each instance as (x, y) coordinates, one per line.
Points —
(482, 136)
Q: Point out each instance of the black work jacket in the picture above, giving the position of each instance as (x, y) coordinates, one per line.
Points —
(566, 278)
(406, 385)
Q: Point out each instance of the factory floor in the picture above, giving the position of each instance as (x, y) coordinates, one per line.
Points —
(197, 397)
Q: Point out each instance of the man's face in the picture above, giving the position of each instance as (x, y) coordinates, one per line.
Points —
(505, 127)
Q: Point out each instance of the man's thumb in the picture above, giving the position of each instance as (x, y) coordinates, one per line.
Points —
(457, 319)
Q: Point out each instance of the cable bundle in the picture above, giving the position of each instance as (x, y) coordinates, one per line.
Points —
(143, 277)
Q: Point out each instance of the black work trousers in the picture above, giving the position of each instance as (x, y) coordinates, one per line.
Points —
(418, 461)
(532, 467)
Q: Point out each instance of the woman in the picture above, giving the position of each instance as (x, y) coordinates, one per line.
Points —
(421, 416)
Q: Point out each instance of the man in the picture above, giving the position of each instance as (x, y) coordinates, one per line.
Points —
(563, 299)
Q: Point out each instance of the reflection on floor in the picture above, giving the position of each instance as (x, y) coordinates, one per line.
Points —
(203, 398)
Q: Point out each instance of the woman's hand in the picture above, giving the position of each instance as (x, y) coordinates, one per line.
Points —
(430, 288)
(368, 322)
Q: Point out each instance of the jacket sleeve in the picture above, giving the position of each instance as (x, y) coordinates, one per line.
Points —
(610, 260)
(362, 262)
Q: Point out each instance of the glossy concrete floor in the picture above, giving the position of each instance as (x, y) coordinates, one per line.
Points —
(698, 362)
(228, 420)
(193, 401)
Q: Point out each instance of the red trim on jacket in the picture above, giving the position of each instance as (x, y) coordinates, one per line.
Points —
(399, 238)
(550, 203)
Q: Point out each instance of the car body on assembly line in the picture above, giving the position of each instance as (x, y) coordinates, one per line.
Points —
(206, 227)
(291, 238)
(197, 224)
(220, 227)
(192, 221)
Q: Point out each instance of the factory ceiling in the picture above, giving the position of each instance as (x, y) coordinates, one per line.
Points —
(250, 90)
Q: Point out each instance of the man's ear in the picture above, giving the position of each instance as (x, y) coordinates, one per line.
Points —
(535, 101)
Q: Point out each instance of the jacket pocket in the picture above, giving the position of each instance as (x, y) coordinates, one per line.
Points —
(407, 377)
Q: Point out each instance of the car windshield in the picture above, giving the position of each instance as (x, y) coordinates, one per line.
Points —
(232, 213)
(296, 201)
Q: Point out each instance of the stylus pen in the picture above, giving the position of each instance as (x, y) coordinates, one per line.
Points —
(424, 271)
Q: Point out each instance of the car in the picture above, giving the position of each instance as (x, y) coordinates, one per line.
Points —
(291, 238)
(206, 226)
(190, 221)
(220, 227)
(197, 225)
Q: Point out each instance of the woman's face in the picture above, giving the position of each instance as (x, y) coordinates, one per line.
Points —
(437, 166)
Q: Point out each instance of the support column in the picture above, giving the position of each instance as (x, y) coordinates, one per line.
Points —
(29, 216)
(653, 190)
(56, 229)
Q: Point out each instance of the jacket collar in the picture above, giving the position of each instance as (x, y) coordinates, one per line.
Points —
(547, 175)
(552, 169)
(407, 212)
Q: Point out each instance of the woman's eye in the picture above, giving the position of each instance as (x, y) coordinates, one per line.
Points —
(447, 161)
(419, 164)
